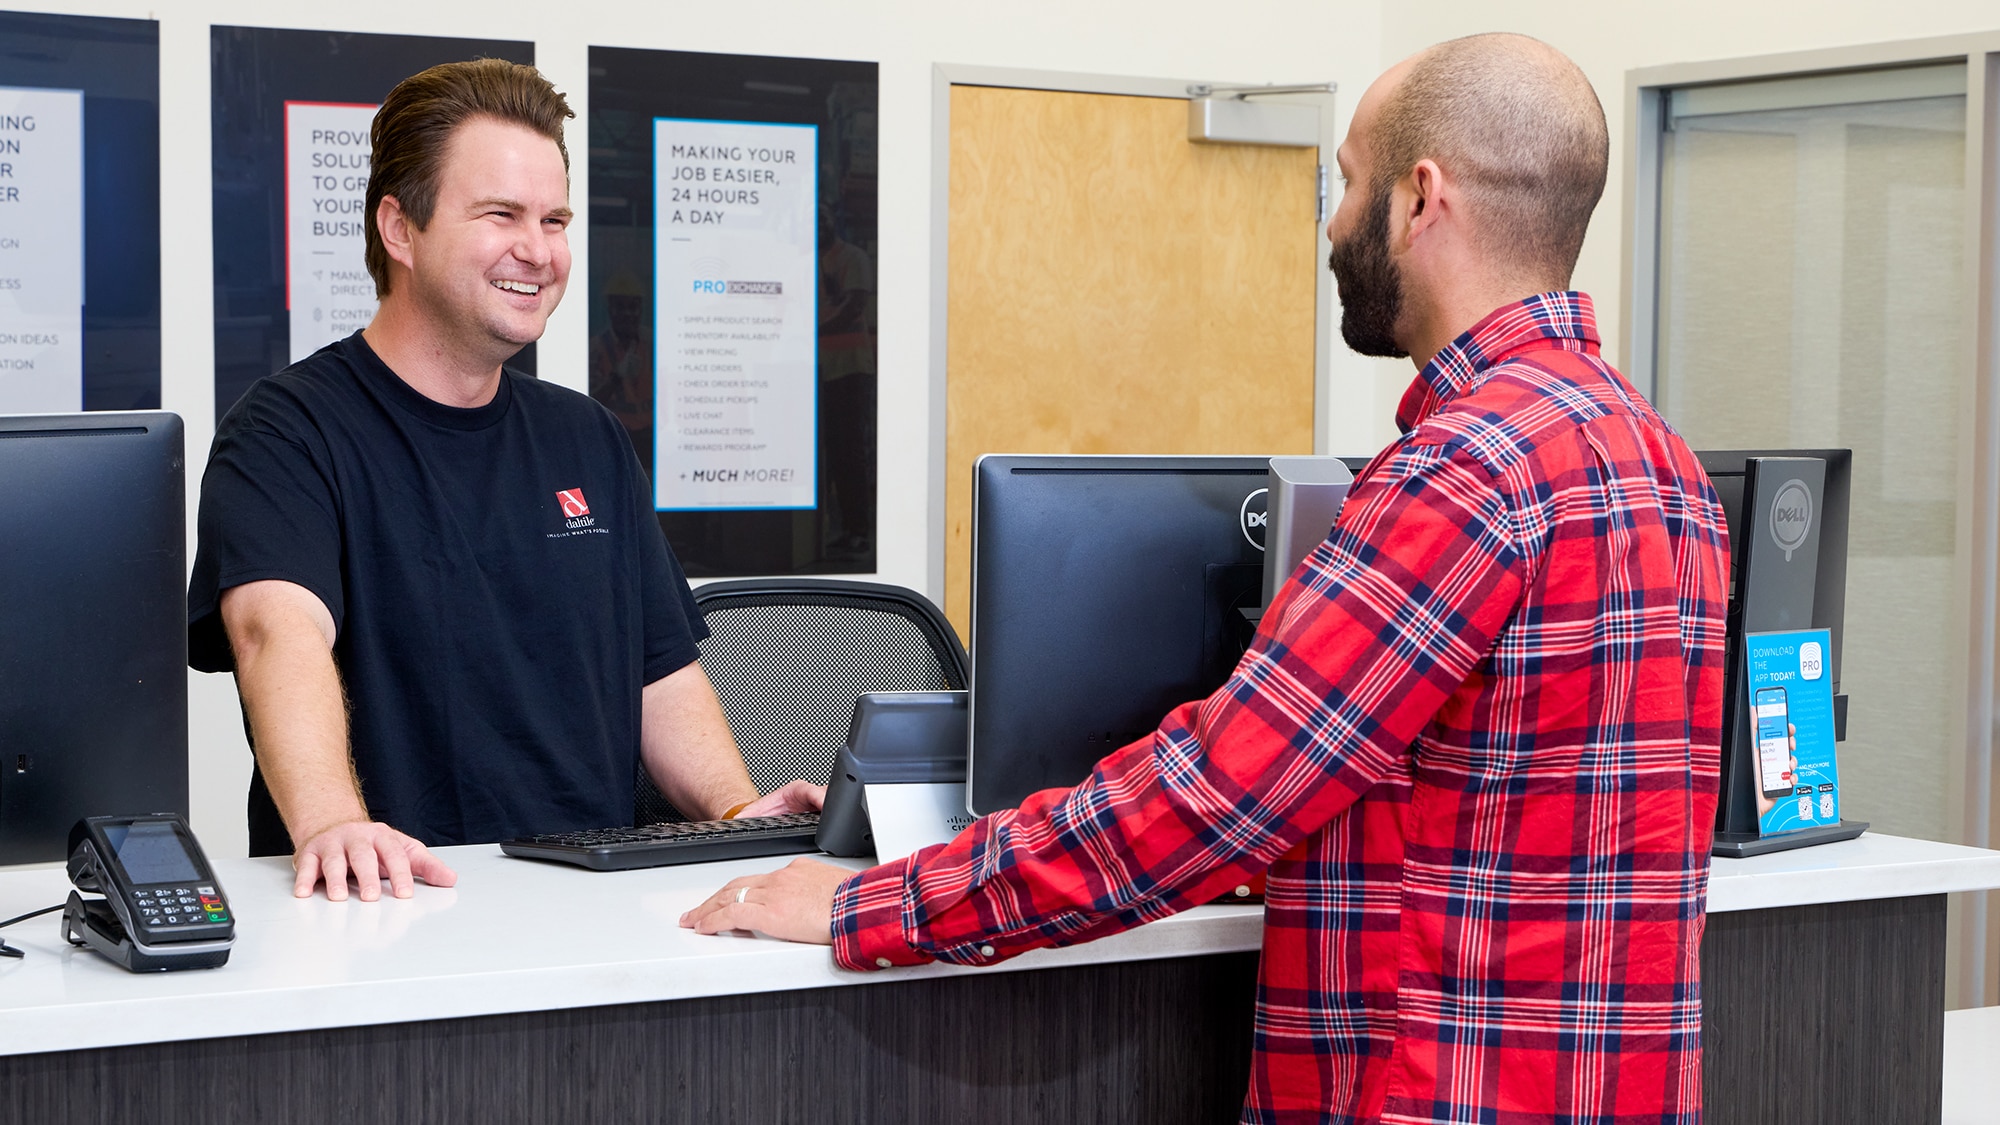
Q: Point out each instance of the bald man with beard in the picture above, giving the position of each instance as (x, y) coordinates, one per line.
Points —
(1474, 745)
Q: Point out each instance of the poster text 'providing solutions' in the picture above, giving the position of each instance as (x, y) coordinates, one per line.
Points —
(327, 287)
(41, 250)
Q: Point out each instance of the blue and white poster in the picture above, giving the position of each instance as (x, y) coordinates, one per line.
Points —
(736, 328)
(1791, 730)
(41, 250)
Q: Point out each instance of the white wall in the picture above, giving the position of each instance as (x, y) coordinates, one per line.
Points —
(1282, 41)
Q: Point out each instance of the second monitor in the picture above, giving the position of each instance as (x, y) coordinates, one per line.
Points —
(1106, 591)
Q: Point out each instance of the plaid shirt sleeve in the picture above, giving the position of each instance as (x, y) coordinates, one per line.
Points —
(1357, 654)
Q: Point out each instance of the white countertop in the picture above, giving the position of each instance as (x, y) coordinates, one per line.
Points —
(512, 936)
(517, 936)
(1869, 867)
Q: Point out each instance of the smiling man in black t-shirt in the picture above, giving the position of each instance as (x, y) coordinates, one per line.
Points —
(450, 610)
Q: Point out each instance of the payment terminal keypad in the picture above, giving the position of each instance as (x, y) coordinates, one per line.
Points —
(173, 907)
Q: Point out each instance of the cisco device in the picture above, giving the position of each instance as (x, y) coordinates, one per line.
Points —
(896, 738)
(1774, 742)
(163, 907)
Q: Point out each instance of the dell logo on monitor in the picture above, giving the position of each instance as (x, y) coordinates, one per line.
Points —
(1253, 516)
(1791, 517)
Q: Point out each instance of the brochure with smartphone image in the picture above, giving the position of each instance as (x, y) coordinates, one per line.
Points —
(1791, 721)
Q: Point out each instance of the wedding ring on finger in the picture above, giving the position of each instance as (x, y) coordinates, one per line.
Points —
(742, 893)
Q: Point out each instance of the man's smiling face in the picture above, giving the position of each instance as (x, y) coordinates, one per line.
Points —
(491, 265)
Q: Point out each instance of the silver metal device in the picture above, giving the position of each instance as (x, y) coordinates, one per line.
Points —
(1225, 115)
(1304, 501)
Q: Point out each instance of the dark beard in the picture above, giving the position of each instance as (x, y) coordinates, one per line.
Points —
(1371, 286)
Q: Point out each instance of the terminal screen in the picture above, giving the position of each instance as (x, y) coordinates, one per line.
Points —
(151, 852)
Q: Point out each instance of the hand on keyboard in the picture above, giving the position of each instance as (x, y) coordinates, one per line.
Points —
(794, 797)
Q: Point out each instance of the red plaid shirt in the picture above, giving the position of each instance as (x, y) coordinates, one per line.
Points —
(1475, 747)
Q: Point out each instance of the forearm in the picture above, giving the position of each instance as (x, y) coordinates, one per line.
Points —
(687, 749)
(282, 640)
(1148, 834)
(298, 722)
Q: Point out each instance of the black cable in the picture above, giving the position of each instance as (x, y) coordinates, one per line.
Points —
(31, 914)
(8, 950)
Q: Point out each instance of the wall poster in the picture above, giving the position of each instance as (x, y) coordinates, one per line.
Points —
(327, 287)
(79, 214)
(290, 113)
(41, 250)
(735, 300)
(732, 235)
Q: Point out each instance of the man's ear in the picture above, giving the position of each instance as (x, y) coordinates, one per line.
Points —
(395, 228)
(1422, 208)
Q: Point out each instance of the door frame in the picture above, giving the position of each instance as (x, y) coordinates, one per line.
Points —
(946, 75)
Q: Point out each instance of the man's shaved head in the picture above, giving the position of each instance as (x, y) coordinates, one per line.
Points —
(1518, 126)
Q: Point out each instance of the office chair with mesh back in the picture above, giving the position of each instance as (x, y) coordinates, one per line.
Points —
(789, 656)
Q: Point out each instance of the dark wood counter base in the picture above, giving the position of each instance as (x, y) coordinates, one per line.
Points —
(1148, 1042)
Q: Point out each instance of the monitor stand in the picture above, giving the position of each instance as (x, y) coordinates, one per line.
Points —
(1743, 845)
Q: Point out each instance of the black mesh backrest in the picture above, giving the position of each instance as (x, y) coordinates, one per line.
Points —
(789, 657)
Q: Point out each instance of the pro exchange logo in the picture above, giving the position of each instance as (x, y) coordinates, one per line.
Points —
(714, 288)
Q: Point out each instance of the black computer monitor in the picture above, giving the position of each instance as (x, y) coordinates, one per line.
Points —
(93, 624)
(1106, 590)
(1787, 570)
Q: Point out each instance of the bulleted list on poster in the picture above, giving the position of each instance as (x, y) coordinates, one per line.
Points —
(735, 207)
(41, 250)
(327, 287)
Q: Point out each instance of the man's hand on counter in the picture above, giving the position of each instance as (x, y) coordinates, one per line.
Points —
(369, 852)
(794, 902)
(797, 796)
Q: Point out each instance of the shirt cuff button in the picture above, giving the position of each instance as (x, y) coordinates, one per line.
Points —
(986, 951)
(883, 963)
(1243, 891)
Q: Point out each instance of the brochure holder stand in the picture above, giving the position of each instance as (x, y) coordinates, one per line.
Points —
(1780, 531)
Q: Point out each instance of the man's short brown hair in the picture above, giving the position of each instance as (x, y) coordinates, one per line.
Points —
(1518, 125)
(415, 124)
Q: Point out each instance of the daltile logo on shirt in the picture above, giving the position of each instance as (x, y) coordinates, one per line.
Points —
(575, 510)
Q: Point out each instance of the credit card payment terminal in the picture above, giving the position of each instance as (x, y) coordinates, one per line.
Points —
(162, 906)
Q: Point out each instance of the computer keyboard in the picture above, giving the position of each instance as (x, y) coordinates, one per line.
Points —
(659, 845)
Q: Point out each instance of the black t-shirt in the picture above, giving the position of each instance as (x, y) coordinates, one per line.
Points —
(499, 584)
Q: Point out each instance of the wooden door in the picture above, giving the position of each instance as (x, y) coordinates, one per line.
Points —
(1115, 288)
